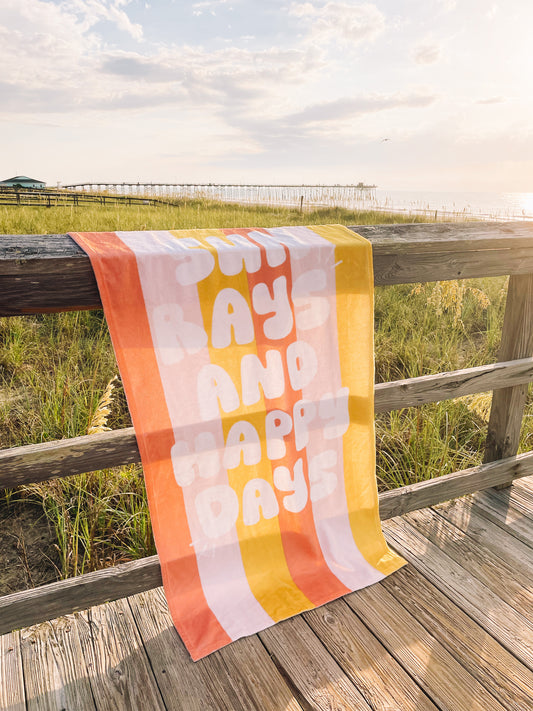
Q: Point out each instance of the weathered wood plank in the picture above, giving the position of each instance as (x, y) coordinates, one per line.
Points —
(40, 462)
(513, 585)
(517, 500)
(498, 510)
(119, 671)
(412, 392)
(433, 491)
(433, 668)
(40, 273)
(181, 682)
(507, 410)
(241, 676)
(488, 535)
(54, 667)
(48, 601)
(526, 484)
(34, 463)
(480, 235)
(318, 679)
(28, 607)
(12, 696)
(474, 649)
(376, 673)
(499, 619)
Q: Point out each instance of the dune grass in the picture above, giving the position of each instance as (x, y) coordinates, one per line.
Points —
(55, 368)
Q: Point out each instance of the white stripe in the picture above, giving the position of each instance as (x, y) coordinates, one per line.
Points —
(221, 569)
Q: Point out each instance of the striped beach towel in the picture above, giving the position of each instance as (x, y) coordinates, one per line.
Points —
(247, 361)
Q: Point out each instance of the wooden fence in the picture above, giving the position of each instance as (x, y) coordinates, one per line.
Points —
(28, 197)
(45, 273)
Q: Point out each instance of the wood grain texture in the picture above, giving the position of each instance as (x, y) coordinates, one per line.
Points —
(250, 678)
(508, 404)
(119, 672)
(27, 607)
(486, 534)
(466, 591)
(207, 685)
(526, 484)
(498, 510)
(12, 695)
(48, 601)
(315, 675)
(473, 648)
(55, 672)
(41, 273)
(517, 500)
(170, 661)
(512, 585)
(35, 463)
(433, 491)
(412, 392)
(380, 678)
(423, 656)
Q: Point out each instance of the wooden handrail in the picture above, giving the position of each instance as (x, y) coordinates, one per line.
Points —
(48, 460)
(43, 273)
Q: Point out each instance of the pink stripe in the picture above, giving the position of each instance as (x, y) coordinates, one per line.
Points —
(330, 513)
(219, 561)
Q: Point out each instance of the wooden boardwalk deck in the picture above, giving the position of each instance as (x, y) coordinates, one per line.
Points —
(451, 631)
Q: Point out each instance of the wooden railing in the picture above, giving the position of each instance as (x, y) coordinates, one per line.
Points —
(45, 197)
(44, 273)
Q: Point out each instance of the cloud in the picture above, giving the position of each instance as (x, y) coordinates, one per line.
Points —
(340, 20)
(426, 53)
(93, 11)
(326, 123)
(351, 107)
(231, 74)
(208, 6)
(492, 100)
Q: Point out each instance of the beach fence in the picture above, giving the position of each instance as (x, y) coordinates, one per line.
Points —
(300, 196)
(27, 197)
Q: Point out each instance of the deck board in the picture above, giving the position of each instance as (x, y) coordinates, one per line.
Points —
(58, 678)
(12, 695)
(471, 645)
(250, 675)
(500, 511)
(452, 631)
(512, 585)
(381, 679)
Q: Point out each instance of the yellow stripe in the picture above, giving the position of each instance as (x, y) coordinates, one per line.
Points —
(261, 544)
(355, 326)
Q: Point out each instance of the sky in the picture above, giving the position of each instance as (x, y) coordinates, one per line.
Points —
(405, 94)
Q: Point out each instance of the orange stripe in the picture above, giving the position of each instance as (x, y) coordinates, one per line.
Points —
(306, 562)
(130, 332)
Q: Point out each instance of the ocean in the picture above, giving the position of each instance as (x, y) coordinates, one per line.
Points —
(482, 205)
(453, 205)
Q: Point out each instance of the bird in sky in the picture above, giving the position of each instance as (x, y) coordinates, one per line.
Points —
(384, 139)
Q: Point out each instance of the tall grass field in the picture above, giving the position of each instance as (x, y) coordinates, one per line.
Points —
(59, 378)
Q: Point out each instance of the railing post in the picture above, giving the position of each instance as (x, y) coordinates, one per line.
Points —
(508, 404)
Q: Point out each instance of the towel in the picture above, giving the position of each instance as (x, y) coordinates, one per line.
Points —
(247, 361)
